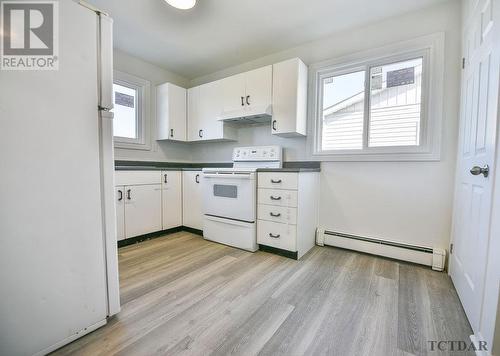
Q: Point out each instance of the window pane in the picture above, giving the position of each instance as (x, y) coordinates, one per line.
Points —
(125, 111)
(343, 107)
(395, 104)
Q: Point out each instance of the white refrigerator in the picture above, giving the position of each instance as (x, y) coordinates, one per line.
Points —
(58, 253)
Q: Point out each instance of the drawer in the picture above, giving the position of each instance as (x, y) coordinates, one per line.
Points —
(278, 197)
(277, 235)
(278, 180)
(137, 177)
(281, 214)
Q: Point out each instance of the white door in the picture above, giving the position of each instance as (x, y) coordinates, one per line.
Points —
(259, 88)
(120, 212)
(194, 122)
(191, 200)
(210, 109)
(171, 199)
(476, 151)
(142, 209)
(233, 94)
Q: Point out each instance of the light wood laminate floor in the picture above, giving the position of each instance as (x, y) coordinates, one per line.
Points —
(182, 295)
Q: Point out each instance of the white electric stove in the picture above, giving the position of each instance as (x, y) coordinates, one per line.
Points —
(230, 196)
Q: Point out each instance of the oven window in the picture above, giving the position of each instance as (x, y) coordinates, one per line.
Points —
(226, 191)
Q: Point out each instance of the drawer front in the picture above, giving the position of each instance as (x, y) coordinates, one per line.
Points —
(281, 214)
(278, 197)
(277, 235)
(137, 177)
(278, 180)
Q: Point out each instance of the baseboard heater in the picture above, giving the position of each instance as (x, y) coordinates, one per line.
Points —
(428, 256)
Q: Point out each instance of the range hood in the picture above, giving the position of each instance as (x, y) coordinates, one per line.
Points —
(249, 115)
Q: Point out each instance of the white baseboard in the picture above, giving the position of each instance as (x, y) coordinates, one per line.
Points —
(416, 254)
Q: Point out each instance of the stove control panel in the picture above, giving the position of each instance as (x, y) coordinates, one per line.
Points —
(257, 153)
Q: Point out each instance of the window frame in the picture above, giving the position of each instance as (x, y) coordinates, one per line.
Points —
(431, 50)
(142, 88)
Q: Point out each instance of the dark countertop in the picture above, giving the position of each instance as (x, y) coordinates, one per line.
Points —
(297, 170)
(304, 166)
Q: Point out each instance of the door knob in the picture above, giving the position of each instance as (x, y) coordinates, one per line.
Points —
(476, 170)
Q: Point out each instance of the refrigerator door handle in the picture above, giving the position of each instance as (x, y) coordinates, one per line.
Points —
(105, 62)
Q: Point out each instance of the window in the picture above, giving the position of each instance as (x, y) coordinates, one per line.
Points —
(131, 108)
(376, 107)
(127, 118)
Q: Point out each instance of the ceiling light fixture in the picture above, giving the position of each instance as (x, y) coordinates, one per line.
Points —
(182, 4)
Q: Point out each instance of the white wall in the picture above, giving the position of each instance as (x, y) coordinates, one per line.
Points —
(160, 151)
(403, 201)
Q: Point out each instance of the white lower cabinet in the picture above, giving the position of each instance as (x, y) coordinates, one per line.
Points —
(287, 211)
(120, 212)
(140, 205)
(192, 215)
(171, 199)
(142, 209)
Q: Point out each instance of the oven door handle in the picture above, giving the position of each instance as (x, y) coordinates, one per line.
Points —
(228, 221)
(232, 176)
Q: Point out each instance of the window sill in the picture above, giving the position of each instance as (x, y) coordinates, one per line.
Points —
(131, 146)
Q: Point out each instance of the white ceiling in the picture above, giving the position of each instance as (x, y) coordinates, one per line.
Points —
(217, 34)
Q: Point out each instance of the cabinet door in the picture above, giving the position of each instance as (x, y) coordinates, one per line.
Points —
(171, 112)
(233, 94)
(142, 209)
(193, 123)
(120, 213)
(210, 110)
(289, 98)
(171, 199)
(259, 88)
(191, 200)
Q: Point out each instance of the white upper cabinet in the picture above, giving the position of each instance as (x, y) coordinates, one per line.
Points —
(171, 112)
(258, 95)
(233, 94)
(289, 98)
(205, 103)
(248, 93)
(278, 91)
(193, 117)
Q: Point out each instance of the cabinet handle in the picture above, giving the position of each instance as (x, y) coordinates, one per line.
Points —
(275, 215)
(275, 181)
(274, 125)
(242, 102)
(248, 99)
(165, 178)
(128, 194)
(274, 236)
(200, 133)
(197, 178)
(171, 132)
(275, 198)
(121, 195)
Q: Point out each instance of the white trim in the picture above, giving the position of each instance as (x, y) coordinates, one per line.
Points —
(431, 48)
(143, 87)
